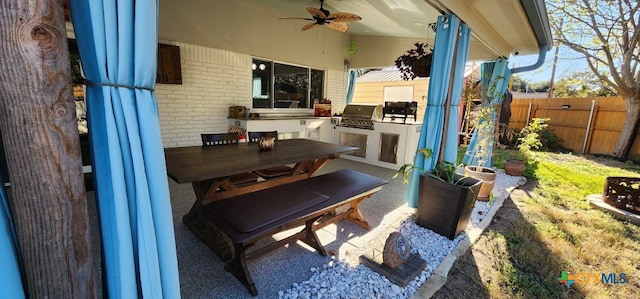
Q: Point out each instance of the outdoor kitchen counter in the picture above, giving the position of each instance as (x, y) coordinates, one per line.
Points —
(401, 139)
(389, 144)
(284, 117)
(310, 127)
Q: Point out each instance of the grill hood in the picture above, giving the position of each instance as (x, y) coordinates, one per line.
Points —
(361, 116)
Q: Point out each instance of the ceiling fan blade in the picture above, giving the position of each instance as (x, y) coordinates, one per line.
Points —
(316, 12)
(343, 17)
(339, 26)
(308, 26)
(295, 18)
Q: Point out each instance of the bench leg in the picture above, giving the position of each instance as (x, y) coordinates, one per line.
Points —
(238, 267)
(311, 238)
(354, 214)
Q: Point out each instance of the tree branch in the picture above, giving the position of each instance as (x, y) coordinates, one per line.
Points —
(605, 34)
(607, 51)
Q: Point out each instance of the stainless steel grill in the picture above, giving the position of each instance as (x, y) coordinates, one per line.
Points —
(361, 116)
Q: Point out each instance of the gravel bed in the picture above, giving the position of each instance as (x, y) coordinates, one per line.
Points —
(339, 279)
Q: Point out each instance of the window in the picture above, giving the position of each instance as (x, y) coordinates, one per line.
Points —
(279, 85)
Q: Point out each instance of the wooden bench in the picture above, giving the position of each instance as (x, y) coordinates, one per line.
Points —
(315, 202)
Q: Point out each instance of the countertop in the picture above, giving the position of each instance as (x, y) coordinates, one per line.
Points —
(285, 117)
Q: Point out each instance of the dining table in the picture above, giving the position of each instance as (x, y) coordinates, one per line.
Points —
(209, 169)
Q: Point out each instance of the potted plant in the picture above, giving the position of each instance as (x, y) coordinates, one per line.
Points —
(528, 141)
(484, 128)
(416, 62)
(515, 164)
(485, 123)
(445, 198)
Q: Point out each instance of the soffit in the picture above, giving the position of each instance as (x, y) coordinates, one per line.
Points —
(499, 27)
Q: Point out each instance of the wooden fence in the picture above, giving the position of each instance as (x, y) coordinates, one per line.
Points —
(586, 125)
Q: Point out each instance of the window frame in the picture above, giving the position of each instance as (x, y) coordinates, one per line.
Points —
(270, 85)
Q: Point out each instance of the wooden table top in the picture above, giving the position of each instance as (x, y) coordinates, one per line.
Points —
(198, 163)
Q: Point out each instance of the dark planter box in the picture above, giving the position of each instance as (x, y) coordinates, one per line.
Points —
(445, 208)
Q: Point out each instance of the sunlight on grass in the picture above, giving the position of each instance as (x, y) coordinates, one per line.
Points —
(559, 231)
(549, 230)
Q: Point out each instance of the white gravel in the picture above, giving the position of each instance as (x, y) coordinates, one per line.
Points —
(338, 279)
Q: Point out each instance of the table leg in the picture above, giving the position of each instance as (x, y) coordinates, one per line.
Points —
(209, 234)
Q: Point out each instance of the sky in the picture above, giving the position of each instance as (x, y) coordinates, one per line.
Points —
(568, 63)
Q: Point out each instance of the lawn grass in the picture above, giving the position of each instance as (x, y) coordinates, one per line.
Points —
(558, 231)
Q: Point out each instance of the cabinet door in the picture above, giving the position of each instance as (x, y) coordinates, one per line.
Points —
(356, 140)
(313, 133)
(389, 148)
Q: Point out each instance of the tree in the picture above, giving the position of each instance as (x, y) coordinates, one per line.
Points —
(580, 85)
(40, 134)
(570, 88)
(607, 34)
(518, 84)
(542, 86)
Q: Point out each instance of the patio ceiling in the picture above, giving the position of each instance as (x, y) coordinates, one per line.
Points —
(499, 27)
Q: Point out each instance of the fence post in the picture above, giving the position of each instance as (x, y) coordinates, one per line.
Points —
(588, 132)
(528, 114)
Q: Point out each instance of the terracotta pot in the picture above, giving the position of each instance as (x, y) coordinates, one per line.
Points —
(488, 178)
(514, 167)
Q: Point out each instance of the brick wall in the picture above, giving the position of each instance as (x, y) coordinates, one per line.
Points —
(213, 80)
(336, 89)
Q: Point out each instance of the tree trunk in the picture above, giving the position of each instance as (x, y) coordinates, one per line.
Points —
(38, 124)
(630, 127)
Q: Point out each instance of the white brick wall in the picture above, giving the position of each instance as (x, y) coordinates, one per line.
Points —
(336, 89)
(213, 80)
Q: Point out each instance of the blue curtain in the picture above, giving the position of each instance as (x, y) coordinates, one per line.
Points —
(351, 86)
(10, 278)
(451, 142)
(117, 40)
(495, 75)
(433, 123)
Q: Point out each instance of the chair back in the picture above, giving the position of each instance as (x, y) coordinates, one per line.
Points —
(255, 136)
(219, 139)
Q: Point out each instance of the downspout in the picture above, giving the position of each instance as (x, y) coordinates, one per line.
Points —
(541, 57)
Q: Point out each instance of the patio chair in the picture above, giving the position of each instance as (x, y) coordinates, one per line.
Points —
(218, 139)
(271, 172)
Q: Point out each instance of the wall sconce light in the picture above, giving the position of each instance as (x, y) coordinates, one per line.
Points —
(262, 66)
(566, 106)
(254, 66)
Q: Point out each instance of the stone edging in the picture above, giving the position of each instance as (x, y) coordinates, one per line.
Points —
(439, 276)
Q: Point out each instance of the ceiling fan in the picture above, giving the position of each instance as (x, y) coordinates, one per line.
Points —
(336, 21)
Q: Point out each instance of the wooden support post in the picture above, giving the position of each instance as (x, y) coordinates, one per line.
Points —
(41, 141)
